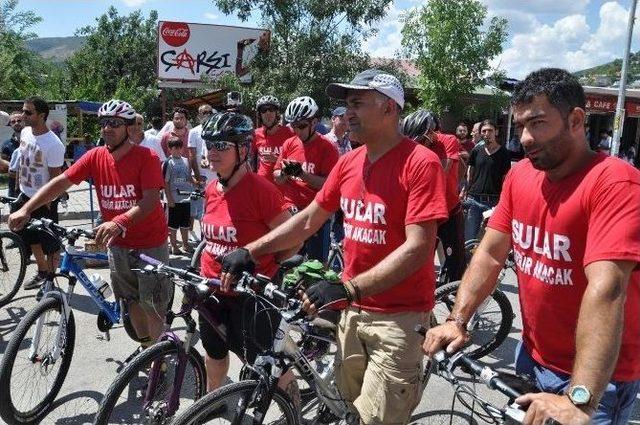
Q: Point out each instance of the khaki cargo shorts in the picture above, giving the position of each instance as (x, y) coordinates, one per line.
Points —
(152, 291)
(379, 364)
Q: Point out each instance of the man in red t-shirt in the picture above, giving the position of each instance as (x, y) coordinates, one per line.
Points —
(392, 195)
(128, 180)
(269, 136)
(179, 130)
(570, 216)
(303, 166)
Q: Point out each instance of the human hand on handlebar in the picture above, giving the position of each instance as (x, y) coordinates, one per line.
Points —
(449, 336)
(234, 264)
(18, 219)
(105, 233)
(325, 295)
(545, 408)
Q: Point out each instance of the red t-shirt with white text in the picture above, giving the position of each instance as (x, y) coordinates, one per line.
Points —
(452, 150)
(269, 144)
(119, 186)
(318, 156)
(404, 186)
(557, 229)
(234, 218)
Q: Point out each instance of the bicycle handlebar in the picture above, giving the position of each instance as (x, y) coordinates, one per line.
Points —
(193, 194)
(7, 199)
(51, 226)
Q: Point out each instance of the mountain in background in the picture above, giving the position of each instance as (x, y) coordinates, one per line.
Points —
(56, 49)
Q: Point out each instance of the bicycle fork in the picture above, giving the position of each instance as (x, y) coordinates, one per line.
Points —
(52, 357)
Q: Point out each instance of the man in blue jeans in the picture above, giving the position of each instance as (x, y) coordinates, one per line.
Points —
(488, 164)
(570, 216)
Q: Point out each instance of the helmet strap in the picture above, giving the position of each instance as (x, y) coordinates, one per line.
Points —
(112, 149)
(225, 181)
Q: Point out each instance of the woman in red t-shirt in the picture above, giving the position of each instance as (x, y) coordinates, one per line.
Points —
(240, 207)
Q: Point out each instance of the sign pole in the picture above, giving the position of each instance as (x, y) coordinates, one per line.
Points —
(619, 119)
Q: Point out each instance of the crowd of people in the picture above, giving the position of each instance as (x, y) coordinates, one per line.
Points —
(388, 186)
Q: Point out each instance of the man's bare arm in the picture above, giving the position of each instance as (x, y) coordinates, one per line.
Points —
(149, 201)
(600, 324)
(314, 181)
(194, 162)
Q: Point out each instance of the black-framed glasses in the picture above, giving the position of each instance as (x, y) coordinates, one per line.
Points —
(300, 125)
(268, 109)
(27, 112)
(218, 145)
(111, 123)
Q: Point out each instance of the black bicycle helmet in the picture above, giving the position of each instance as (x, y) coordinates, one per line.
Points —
(229, 127)
(418, 123)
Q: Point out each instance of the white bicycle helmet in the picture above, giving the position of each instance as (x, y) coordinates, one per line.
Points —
(301, 108)
(268, 100)
(118, 109)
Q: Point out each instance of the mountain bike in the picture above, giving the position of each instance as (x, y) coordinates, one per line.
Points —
(38, 356)
(13, 261)
(169, 376)
(510, 385)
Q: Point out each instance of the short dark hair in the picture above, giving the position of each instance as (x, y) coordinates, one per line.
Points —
(180, 110)
(156, 122)
(174, 142)
(463, 124)
(563, 90)
(41, 105)
(486, 123)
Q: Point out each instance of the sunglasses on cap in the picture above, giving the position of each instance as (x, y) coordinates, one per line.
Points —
(111, 123)
(268, 109)
(219, 145)
(300, 125)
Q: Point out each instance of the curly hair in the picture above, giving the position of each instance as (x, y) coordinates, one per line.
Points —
(562, 89)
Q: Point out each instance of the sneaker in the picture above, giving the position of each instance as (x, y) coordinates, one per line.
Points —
(35, 281)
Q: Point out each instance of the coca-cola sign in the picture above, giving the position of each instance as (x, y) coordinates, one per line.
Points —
(175, 33)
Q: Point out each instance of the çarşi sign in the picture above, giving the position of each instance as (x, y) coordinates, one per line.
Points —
(192, 52)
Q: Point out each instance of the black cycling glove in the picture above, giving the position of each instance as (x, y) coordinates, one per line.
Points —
(293, 169)
(238, 261)
(329, 295)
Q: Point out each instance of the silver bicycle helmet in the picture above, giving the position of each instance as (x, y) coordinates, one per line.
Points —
(301, 108)
(117, 109)
(267, 100)
(418, 123)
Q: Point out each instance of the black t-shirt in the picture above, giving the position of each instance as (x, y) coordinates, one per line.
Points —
(488, 170)
(9, 146)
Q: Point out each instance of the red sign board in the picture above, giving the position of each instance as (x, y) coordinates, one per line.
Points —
(608, 104)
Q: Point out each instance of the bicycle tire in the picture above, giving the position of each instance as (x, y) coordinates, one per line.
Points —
(482, 342)
(127, 380)
(230, 395)
(195, 258)
(18, 415)
(13, 265)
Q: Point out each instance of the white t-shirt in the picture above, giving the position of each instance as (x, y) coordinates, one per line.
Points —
(152, 132)
(37, 155)
(153, 144)
(195, 141)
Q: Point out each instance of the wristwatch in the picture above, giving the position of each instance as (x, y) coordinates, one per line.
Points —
(579, 395)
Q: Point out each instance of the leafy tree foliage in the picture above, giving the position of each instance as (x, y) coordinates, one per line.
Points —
(313, 42)
(452, 48)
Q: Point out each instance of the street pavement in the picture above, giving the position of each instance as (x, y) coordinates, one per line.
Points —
(96, 361)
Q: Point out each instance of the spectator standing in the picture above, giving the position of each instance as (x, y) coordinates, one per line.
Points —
(604, 145)
(41, 159)
(139, 137)
(269, 136)
(462, 135)
(489, 163)
(179, 130)
(303, 167)
(179, 182)
(156, 125)
(339, 135)
(9, 147)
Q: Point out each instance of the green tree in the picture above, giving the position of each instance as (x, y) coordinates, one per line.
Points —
(118, 59)
(313, 42)
(452, 48)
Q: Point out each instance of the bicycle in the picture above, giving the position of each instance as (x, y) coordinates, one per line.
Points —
(42, 344)
(165, 363)
(510, 385)
(13, 261)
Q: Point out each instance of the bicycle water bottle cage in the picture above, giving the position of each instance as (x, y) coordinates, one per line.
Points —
(104, 324)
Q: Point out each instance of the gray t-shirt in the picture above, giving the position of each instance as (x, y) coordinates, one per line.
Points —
(178, 174)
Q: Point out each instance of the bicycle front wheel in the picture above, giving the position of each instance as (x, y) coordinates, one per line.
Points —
(488, 328)
(36, 362)
(13, 263)
(142, 391)
(240, 403)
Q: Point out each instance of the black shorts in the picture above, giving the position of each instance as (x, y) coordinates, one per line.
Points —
(250, 327)
(39, 237)
(180, 216)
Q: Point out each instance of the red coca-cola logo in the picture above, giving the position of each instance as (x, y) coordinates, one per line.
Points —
(175, 33)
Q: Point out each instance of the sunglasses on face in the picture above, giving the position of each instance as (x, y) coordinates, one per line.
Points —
(218, 145)
(111, 123)
(300, 125)
(206, 113)
(27, 112)
(268, 109)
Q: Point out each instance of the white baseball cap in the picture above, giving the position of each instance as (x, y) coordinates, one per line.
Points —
(371, 79)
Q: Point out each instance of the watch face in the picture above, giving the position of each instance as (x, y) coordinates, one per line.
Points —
(580, 395)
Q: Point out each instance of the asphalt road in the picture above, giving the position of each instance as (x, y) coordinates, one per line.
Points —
(96, 362)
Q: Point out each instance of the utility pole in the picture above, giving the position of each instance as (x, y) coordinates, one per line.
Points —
(618, 122)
